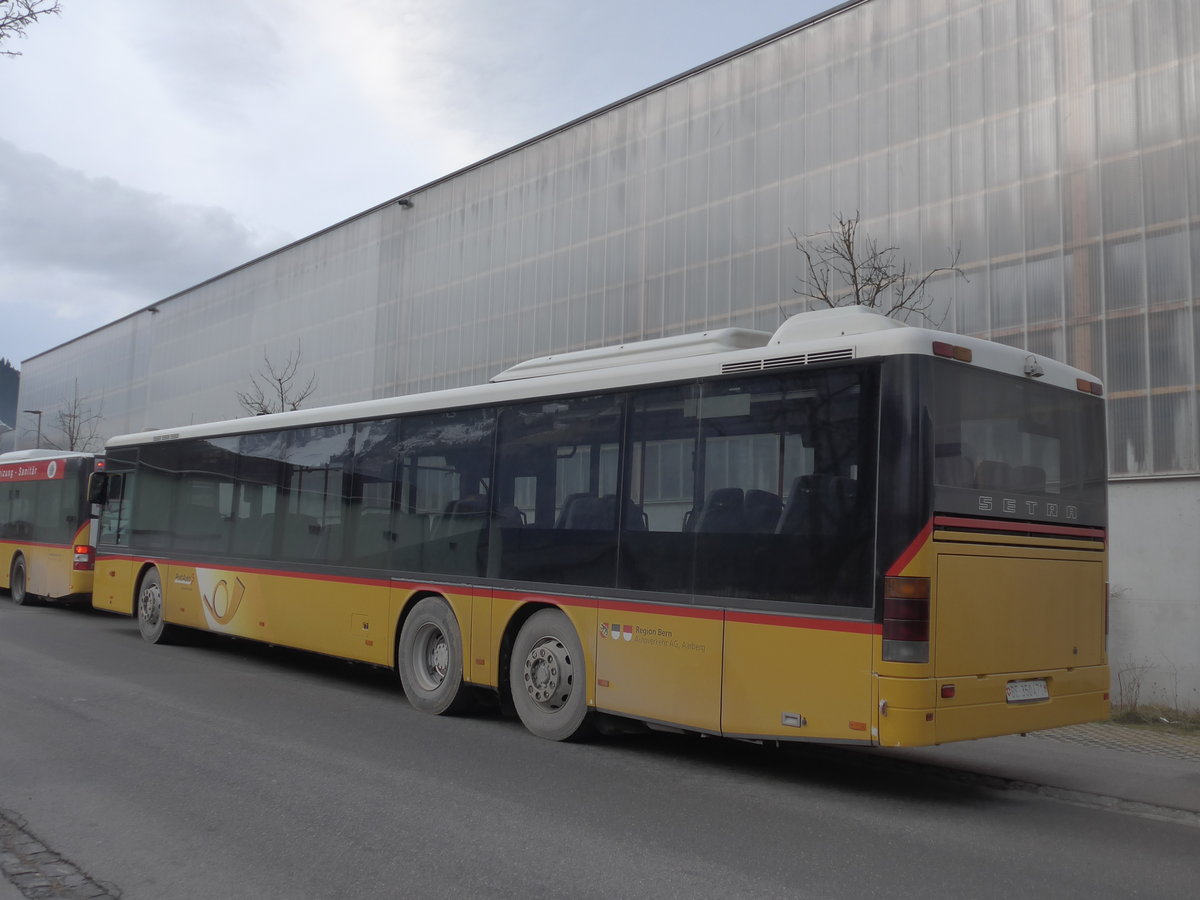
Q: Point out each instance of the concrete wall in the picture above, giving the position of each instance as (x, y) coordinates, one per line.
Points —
(1154, 639)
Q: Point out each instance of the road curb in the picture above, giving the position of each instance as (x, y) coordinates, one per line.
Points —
(1074, 796)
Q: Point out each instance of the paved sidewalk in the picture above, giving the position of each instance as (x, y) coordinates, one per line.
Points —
(1139, 770)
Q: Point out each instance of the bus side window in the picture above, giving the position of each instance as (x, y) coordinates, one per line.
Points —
(659, 509)
(555, 505)
(443, 491)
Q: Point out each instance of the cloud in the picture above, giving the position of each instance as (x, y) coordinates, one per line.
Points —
(81, 248)
(218, 65)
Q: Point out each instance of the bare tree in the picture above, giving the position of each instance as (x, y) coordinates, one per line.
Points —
(78, 425)
(277, 388)
(845, 266)
(18, 15)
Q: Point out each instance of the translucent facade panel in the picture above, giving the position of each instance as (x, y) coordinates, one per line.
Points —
(1052, 146)
(1126, 354)
(1124, 275)
(1167, 267)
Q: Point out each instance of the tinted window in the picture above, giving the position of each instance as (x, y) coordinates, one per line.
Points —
(154, 497)
(204, 495)
(760, 488)
(375, 519)
(785, 501)
(556, 505)
(42, 508)
(292, 498)
(1011, 447)
(445, 472)
(656, 532)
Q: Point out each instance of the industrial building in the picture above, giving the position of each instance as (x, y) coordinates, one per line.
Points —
(1054, 145)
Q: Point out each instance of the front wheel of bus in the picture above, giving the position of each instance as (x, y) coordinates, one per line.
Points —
(547, 677)
(151, 623)
(430, 658)
(17, 583)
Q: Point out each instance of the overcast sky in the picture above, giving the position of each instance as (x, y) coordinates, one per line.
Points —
(146, 146)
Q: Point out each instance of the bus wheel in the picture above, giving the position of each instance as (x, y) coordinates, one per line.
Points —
(17, 584)
(546, 674)
(429, 658)
(151, 623)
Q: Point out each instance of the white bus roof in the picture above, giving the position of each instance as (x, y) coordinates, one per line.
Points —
(809, 338)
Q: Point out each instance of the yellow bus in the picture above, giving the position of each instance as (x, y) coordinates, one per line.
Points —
(850, 530)
(47, 543)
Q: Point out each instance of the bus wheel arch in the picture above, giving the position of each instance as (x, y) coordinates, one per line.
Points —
(430, 656)
(18, 581)
(547, 676)
(148, 603)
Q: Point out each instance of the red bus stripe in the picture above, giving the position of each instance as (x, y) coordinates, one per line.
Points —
(1023, 527)
(620, 606)
(803, 622)
(913, 549)
(659, 609)
(249, 570)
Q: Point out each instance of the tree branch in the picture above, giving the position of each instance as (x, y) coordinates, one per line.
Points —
(846, 267)
(17, 15)
(276, 388)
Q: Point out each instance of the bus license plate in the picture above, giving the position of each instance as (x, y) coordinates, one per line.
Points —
(1024, 691)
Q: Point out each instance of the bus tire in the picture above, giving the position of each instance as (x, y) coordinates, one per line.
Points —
(548, 678)
(18, 583)
(429, 658)
(149, 609)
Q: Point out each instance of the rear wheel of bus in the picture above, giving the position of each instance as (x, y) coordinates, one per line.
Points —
(429, 658)
(548, 679)
(17, 583)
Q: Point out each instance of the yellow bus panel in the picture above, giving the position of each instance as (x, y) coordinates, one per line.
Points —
(797, 678)
(1016, 611)
(660, 663)
(114, 584)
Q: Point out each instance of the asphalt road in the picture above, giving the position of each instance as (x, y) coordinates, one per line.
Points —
(229, 769)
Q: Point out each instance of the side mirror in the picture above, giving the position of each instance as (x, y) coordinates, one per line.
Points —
(98, 488)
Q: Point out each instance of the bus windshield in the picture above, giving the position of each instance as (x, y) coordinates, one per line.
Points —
(1015, 448)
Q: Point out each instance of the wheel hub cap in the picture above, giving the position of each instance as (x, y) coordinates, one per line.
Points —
(151, 606)
(438, 659)
(548, 674)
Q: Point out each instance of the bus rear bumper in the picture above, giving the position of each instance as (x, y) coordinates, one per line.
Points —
(921, 714)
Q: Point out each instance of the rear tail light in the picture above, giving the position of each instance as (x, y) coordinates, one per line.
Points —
(905, 619)
(85, 558)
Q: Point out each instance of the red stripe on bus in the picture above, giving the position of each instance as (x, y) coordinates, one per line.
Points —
(913, 549)
(803, 622)
(249, 570)
(1022, 527)
(660, 609)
